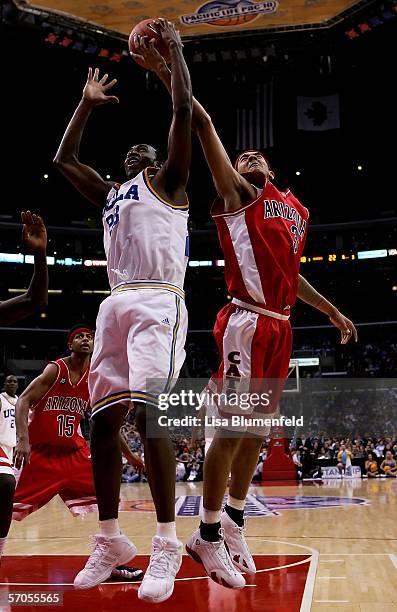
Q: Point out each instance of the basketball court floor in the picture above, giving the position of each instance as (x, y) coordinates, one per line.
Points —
(318, 546)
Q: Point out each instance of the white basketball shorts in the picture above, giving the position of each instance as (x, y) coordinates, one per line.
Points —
(139, 344)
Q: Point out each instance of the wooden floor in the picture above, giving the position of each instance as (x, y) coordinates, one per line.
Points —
(349, 550)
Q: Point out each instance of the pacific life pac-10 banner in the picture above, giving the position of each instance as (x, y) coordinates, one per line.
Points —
(201, 17)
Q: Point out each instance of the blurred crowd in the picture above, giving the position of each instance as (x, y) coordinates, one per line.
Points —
(189, 457)
(376, 456)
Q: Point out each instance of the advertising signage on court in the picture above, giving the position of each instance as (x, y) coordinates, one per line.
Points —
(201, 17)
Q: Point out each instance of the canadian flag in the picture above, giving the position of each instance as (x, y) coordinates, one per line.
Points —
(318, 114)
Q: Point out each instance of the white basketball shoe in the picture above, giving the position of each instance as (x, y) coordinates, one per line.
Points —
(215, 560)
(165, 562)
(107, 554)
(237, 545)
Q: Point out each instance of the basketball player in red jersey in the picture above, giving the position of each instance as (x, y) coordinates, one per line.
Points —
(34, 238)
(55, 457)
(262, 232)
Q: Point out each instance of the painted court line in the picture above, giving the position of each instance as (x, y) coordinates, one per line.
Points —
(355, 554)
(393, 559)
(331, 601)
(267, 569)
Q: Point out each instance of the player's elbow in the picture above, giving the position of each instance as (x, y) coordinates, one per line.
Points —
(58, 160)
(35, 303)
(202, 121)
(62, 161)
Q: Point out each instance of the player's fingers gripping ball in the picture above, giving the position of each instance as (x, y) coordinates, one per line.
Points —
(147, 28)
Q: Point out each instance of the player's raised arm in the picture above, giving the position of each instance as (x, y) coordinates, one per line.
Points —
(228, 182)
(308, 294)
(34, 237)
(83, 177)
(174, 174)
(32, 394)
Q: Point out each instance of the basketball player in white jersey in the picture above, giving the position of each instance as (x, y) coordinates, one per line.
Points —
(239, 454)
(34, 237)
(141, 327)
(8, 400)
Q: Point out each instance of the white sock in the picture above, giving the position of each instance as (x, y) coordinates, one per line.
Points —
(109, 528)
(211, 516)
(2, 544)
(237, 504)
(167, 530)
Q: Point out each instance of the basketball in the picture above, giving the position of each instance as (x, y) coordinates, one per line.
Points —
(146, 28)
(373, 467)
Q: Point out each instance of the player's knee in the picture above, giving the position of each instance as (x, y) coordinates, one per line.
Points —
(7, 487)
(146, 420)
(253, 443)
(105, 426)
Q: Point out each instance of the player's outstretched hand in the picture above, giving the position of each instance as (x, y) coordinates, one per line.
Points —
(168, 32)
(147, 53)
(136, 462)
(34, 233)
(21, 454)
(346, 327)
(95, 89)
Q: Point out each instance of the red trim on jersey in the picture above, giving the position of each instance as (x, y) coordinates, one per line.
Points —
(68, 374)
(262, 243)
(54, 383)
(3, 454)
(63, 398)
(240, 210)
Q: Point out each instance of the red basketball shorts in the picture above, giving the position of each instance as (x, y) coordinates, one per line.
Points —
(255, 350)
(52, 472)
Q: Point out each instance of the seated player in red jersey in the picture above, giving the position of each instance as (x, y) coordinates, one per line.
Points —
(34, 238)
(262, 232)
(54, 455)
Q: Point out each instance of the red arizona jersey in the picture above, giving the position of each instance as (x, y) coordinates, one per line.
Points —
(262, 244)
(56, 417)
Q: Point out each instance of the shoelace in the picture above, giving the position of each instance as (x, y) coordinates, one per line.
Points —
(100, 554)
(221, 551)
(241, 531)
(160, 560)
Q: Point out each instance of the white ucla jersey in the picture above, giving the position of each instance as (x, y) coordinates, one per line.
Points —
(145, 237)
(8, 436)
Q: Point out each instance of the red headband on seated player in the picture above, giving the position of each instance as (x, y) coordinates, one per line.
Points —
(79, 330)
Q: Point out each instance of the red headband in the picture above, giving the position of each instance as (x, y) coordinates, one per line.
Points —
(78, 330)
